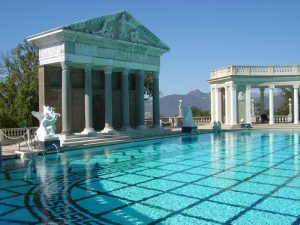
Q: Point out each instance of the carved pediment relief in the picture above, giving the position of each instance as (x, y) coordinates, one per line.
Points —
(119, 26)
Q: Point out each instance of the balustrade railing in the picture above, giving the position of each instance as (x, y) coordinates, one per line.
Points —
(256, 70)
(177, 121)
(10, 135)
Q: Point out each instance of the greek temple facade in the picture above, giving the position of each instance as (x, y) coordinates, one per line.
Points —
(231, 86)
(93, 72)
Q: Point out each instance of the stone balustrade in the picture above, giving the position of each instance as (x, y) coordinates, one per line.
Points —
(177, 121)
(256, 70)
(10, 135)
(277, 119)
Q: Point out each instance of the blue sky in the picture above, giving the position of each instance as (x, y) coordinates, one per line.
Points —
(202, 34)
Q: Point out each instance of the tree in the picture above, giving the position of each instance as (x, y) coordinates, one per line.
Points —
(198, 112)
(283, 109)
(19, 86)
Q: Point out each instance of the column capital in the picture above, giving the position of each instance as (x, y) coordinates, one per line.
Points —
(296, 86)
(88, 67)
(65, 65)
(248, 87)
(271, 86)
(262, 89)
(108, 70)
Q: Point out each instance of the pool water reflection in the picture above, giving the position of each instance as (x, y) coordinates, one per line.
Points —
(245, 177)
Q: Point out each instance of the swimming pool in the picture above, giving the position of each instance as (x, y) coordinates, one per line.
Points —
(244, 177)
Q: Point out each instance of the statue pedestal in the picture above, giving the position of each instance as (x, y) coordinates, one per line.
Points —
(189, 129)
(51, 144)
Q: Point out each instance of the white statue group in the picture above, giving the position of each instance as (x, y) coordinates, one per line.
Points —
(47, 119)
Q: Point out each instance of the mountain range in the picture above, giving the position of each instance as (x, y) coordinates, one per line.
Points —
(169, 103)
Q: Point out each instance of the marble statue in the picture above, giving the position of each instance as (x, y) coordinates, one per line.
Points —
(47, 119)
(188, 124)
(122, 26)
(188, 118)
(104, 31)
(134, 37)
(180, 109)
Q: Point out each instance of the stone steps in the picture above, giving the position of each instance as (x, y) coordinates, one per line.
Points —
(116, 137)
(75, 140)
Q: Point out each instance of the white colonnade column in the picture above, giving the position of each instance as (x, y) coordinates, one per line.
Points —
(226, 106)
(233, 105)
(140, 100)
(212, 103)
(248, 104)
(108, 100)
(88, 101)
(218, 104)
(155, 109)
(125, 100)
(296, 103)
(271, 104)
(66, 98)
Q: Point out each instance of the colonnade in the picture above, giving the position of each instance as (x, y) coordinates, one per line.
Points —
(232, 94)
(88, 106)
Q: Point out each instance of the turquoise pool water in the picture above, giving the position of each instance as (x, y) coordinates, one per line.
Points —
(247, 177)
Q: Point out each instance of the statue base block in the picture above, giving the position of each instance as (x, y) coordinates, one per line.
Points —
(47, 144)
(189, 129)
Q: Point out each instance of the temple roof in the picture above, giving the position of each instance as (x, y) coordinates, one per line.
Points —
(120, 26)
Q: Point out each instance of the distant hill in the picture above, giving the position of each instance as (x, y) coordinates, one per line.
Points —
(169, 103)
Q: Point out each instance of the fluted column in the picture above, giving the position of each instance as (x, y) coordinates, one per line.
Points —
(271, 104)
(296, 104)
(108, 100)
(155, 94)
(248, 103)
(140, 100)
(125, 100)
(66, 98)
(212, 103)
(233, 109)
(88, 101)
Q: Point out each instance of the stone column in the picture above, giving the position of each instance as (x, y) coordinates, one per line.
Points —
(218, 104)
(140, 100)
(233, 115)
(226, 106)
(271, 104)
(262, 101)
(248, 103)
(88, 101)
(156, 113)
(296, 104)
(125, 100)
(66, 98)
(108, 100)
(212, 103)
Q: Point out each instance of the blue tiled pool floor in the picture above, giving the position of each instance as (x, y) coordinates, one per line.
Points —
(229, 178)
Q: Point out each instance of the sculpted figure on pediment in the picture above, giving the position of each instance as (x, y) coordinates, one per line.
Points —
(134, 36)
(122, 26)
(104, 31)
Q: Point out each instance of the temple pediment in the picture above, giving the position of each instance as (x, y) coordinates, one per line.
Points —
(118, 26)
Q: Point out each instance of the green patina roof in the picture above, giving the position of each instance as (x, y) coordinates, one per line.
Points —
(90, 25)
